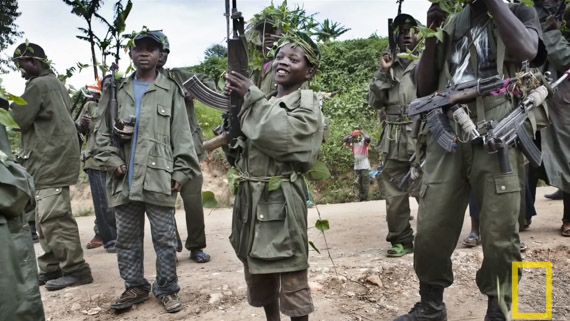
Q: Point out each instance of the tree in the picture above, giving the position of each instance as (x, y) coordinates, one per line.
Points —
(329, 30)
(114, 32)
(86, 9)
(216, 50)
(8, 31)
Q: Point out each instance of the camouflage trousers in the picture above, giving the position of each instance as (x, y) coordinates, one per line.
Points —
(363, 183)
(130, 220)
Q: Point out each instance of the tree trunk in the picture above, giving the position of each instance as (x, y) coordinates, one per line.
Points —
(93, 57)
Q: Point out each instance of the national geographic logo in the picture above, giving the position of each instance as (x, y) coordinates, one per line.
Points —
(532, 315)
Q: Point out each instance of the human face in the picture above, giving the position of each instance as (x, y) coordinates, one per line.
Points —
(269, 36)
(291, 68)
(145, 54)
(407, 39)
(162, 59)
(28, 67)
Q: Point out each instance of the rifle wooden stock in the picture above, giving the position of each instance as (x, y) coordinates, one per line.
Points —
(113, 108)
(216, 142)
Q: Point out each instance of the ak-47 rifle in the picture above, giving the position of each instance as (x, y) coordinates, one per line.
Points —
(510, 131)
(113, 109)
(237, 62)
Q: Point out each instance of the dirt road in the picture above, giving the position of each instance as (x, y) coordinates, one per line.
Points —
(370, 286)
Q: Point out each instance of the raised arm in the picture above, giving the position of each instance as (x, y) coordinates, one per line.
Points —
(427, 74)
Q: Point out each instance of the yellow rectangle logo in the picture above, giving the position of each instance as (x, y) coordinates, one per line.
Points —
(520, 315)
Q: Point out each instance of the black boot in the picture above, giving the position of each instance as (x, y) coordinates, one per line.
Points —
(494, 312)
(44, 277)
(555, 196)
(35, 237)
(76, 278)
(431, 307)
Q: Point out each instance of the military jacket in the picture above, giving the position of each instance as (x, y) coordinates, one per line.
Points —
(284, 135)
(555, 146)
(180, 76)
(264, 79)
(49, 147)
(393, 91)
(90, 109)
(164, 151)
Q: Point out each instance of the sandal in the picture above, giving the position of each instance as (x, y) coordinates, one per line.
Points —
(398, 250)
(472, 240)
(199, 256)
(565, 229)
(95, 242)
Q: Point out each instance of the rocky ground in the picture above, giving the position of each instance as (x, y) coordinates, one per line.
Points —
(362, 285)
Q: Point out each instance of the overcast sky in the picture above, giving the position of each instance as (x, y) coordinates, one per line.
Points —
(191, 26)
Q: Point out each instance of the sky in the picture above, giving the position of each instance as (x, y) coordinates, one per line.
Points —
(191, 26)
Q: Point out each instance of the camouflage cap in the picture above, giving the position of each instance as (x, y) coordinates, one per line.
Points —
(29, 50)
(154, 35)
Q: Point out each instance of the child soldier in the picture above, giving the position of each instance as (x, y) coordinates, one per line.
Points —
(359, 142)
(50, 153)
(283, 137)
(147, 169)
(392, 88)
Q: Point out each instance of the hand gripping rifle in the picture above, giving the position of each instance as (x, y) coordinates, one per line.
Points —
(237, 62)
(510, 131)
(433, 109)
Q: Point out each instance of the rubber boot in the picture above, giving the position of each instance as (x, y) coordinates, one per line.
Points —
(430, 308)
(494, 312)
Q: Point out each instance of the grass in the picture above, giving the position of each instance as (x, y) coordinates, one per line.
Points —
(208, 118)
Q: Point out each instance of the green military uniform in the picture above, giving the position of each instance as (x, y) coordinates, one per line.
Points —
(555, 138)
(450, 177)
(269, 228)
(20, 298)
(191, 192)
(50, 153)
(393, 91)
(163, 149)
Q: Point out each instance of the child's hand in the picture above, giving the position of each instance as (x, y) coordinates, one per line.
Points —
(237, 83)
(386, 61)
(120, 171)
(175, 186)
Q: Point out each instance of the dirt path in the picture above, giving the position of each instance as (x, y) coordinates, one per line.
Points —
(216, 291)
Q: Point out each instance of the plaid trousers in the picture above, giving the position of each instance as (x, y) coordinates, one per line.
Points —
(130, 237)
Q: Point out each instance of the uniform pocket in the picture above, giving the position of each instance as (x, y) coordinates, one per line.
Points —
(52, 203)
(158, 175)
(507, 184)
(271, 240)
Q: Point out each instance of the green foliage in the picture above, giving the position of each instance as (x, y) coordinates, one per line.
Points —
(319, 171)
(83, 212)
(209, 200)
(329, 30)
(322, 225)
(216, 50)
(8, 32)
(214, 67)
(208, 118)
(274, 183)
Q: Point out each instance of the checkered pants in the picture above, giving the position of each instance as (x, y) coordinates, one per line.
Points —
(130, 237)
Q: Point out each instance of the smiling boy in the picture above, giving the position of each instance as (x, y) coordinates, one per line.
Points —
(283, 137)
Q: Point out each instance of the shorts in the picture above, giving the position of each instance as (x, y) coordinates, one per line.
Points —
(291, 288)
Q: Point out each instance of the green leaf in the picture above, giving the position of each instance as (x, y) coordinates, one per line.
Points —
(17, 99)
(439, 34)
(6, 119)
(233, 175)
(209, 200)
(322, 225)
(274, 183)
(319, 171)
(529, 3)
(314, 247)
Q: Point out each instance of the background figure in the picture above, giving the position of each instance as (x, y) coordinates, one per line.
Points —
(191, 192)
(554, 139)
(392, 88)
(105, 229)
(358, 141)
(50, 153)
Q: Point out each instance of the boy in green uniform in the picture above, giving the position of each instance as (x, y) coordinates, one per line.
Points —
(392, 89)
(191, 192)
(147, 170)
(269, 35)
(20, 298)
(50, 153)
(283, 135)
(474, 46)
